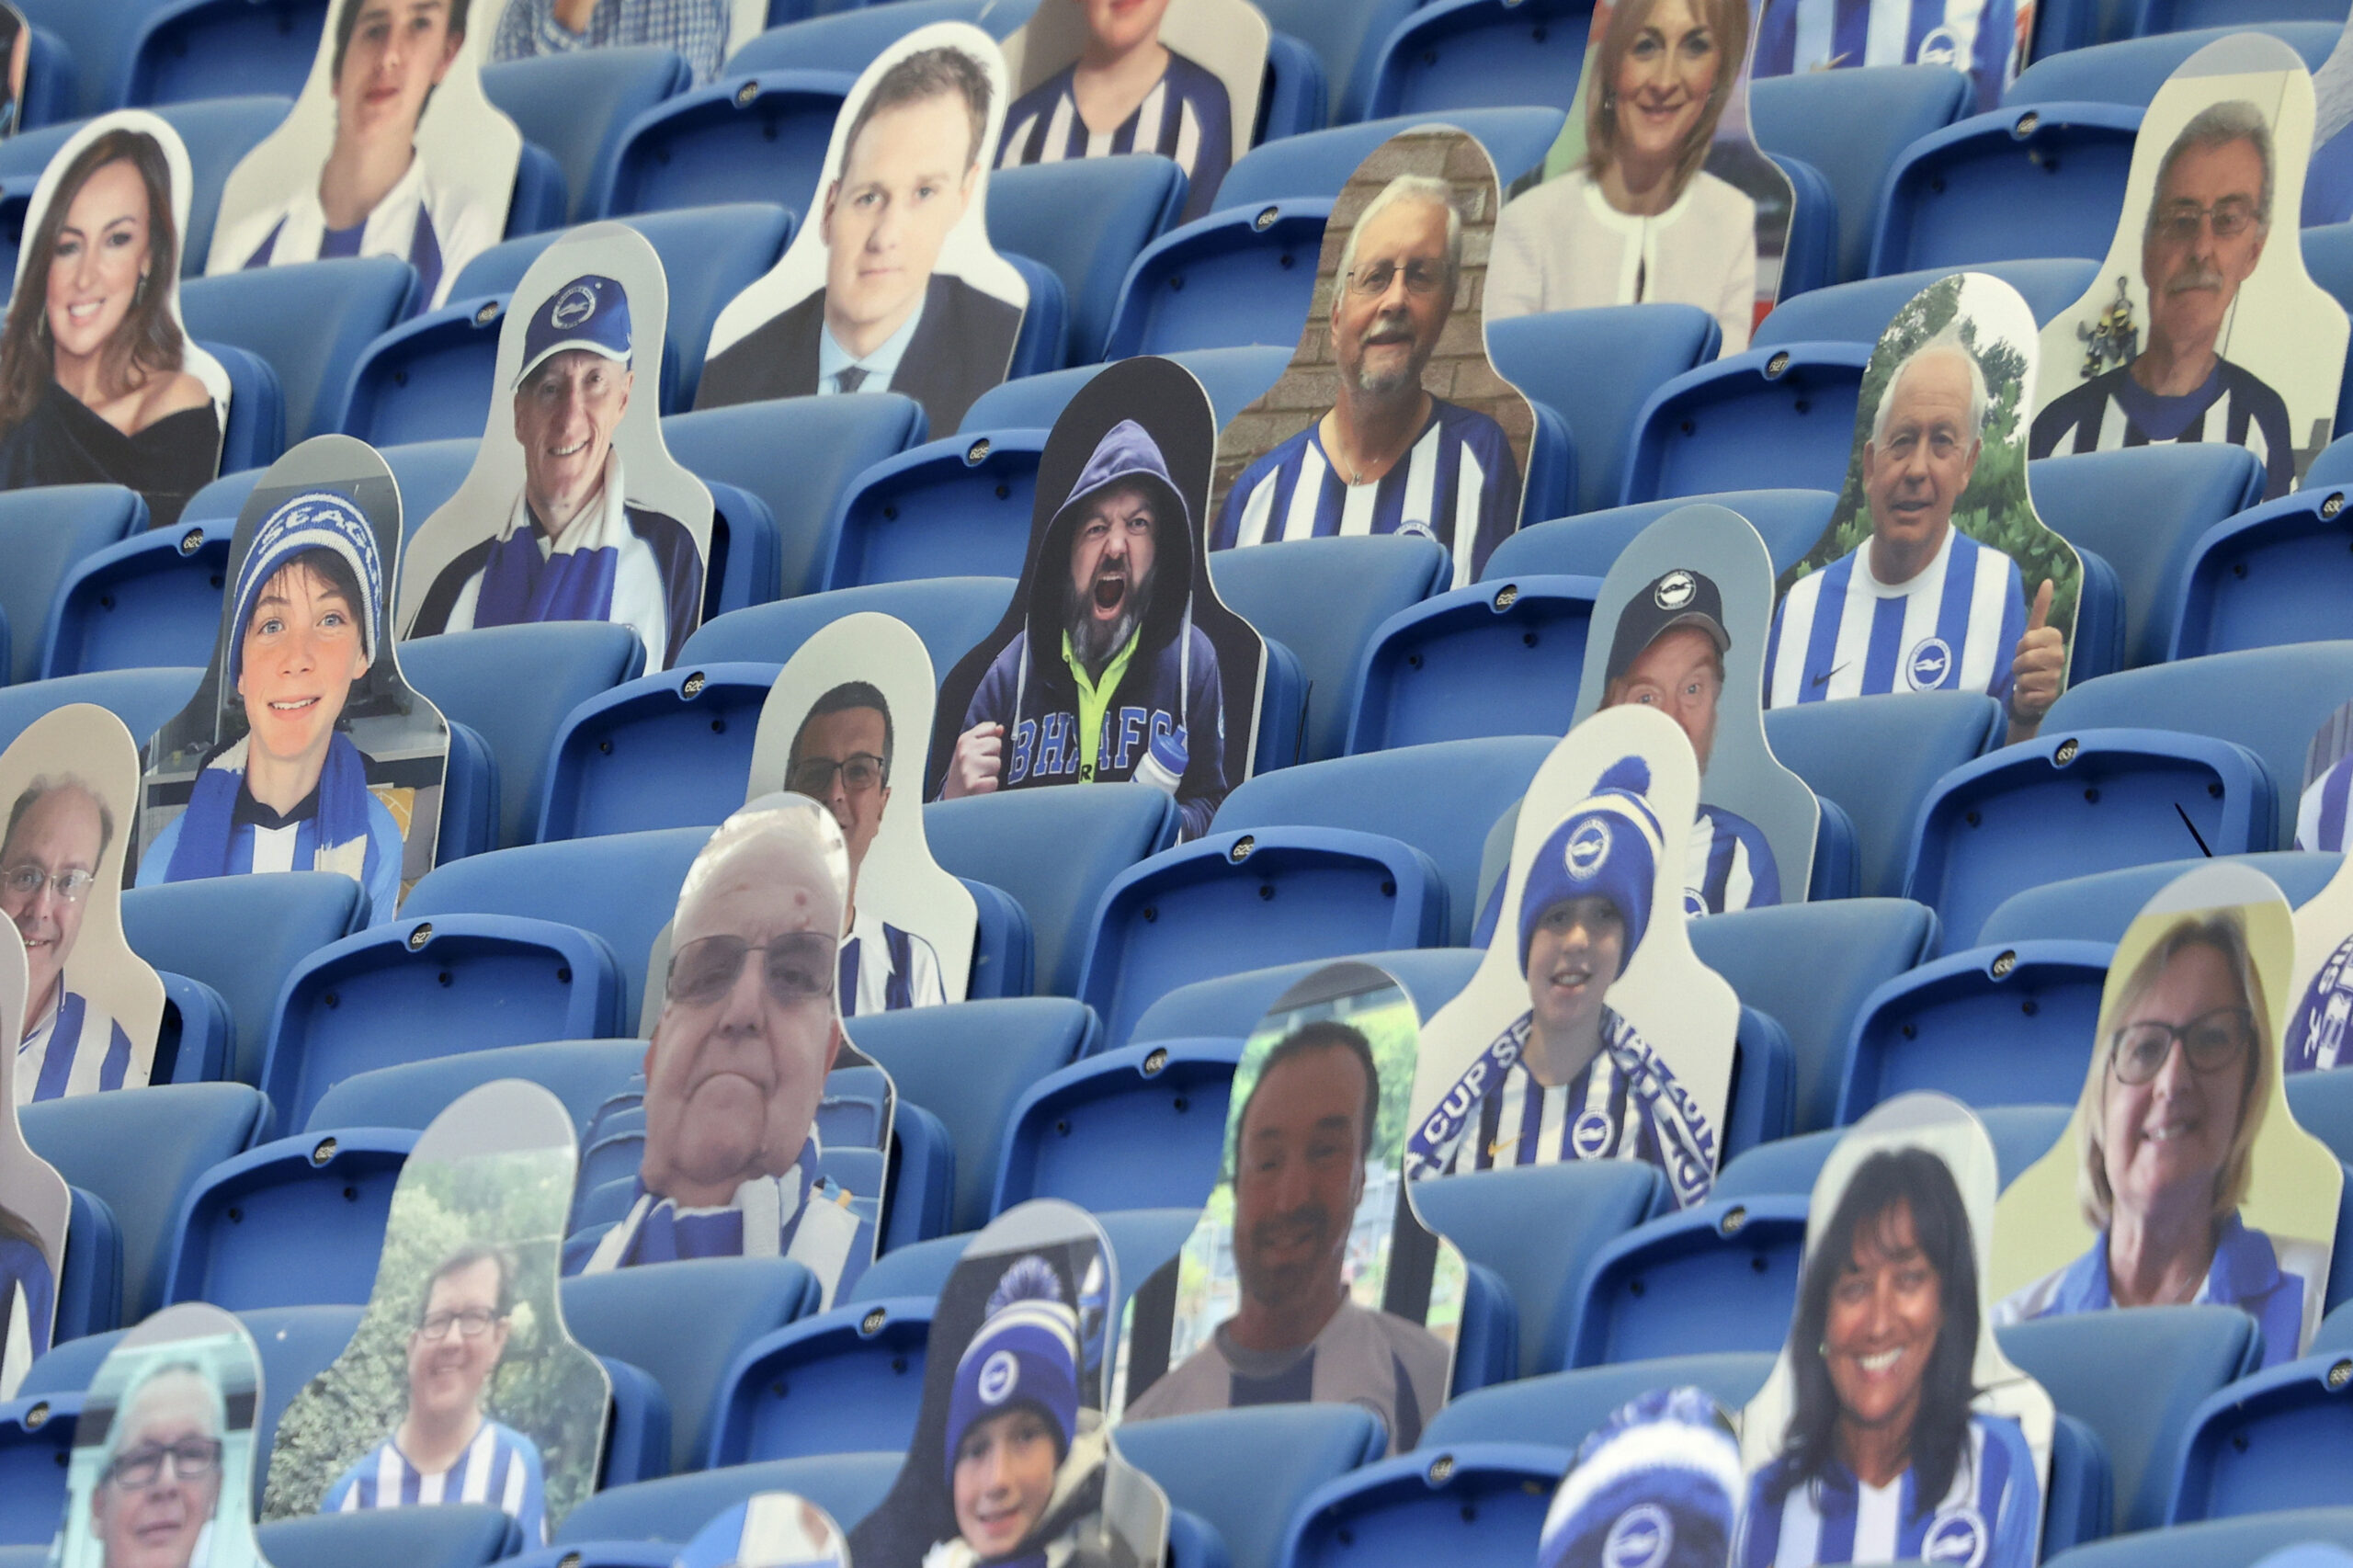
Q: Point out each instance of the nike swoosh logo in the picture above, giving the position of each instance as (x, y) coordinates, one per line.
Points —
(1825, 677)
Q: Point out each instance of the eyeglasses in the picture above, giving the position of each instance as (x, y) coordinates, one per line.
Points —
(25, 882)
(192, 1458)
(1421, 278)
(2212, 1041)
(2229, 218)
(813, 775)
(471, 1324)
(796, 967)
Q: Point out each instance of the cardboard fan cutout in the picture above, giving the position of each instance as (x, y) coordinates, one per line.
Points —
(702, 35)
(769, 1529)
(16, 53)
(2327, 789)
(69, 792)
(2199, 327)
(1934, 575)
(34, 1205)
(735, 1158)
(892, 286)
(1116, 660)
(852, 710)
(1681, 625)
(1177, 77)
(303, 749)
(2183, 1177)
(2328, 182)
(1892, 1426)
(1309, 1279)
(1589, 1030)
(573, 509)
(1655, 189)
(1387, 421)
(460, 1383)
(99, 381)
(2321, 995)
(1013, 1459)
(1986, 41)
(161, 1472)
(390, 150)
(1657, 1483)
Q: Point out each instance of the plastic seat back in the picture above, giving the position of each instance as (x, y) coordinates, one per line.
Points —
(672, 1509)
(1232, 1005)
(2098, 908)
(1722, 1276)
(1246, 1471)
(459, 1535)
(955, 508)
(310, 322)
(1502, 656)
(297, 1222)
(1771, 417)
(1860, 310)
(951, 614)
(151, 601)
(759, 137)
(844, 1382)
(1880, 758)
(1560, 1409)
(1993, 1026)
(44, 535)
(2043, 181)
(668, 750)
(1467, 53)
(2268, 576)
(1852, 125)
(205, 49)
(1087, 220)
(1236, 277)
(2130, 70)
(1646, 346)
(583, 1073)
(1143, 1127)
(1320, 162)
(1587, 545)
(577, 104)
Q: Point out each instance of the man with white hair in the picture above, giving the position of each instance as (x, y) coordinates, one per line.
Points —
(1388, 458)
(1919, 606)
(737, 1065)
(2204, 237)
(159, 1482)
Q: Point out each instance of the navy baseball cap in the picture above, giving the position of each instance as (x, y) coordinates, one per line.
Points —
(1680, 598)
(590, 312)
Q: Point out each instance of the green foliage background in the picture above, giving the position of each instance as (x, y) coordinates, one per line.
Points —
(1995, 509)
(546, 1387)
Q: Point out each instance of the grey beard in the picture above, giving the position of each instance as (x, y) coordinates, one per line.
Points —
(1094, 642)
(1387, 386)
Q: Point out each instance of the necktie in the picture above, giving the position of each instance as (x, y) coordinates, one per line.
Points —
(850, 379)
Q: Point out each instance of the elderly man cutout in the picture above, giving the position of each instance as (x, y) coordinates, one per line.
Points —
(2206, 230)
(1388, 458)
(737, 1065)
(885, 320)
(1919, 606)
(160, 1482)
(57, 838)
(1305, 1134)
(574, 547)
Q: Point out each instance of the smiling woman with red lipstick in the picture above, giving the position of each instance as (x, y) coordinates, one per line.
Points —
(92, 388)
(1884, 1458)
(2183, 1071)
(1639, 219)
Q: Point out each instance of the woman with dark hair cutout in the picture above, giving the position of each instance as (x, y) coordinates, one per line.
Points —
(1884, 1456)
(1639, 219)
(92, 388)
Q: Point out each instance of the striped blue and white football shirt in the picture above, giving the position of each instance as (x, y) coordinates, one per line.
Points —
(1989, 1517)
(500, 1467)
(1728, 865)
(2320, 813)
(1187, 117)
(2111, 412)
(1954, 626)
(1978, 37)
(77, 1050)
(1458, 484)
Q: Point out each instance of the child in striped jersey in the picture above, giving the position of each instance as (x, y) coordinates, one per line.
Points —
(446, 1449)
(1570, 1079)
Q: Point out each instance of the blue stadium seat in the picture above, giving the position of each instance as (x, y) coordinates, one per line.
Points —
(1055, 851)
(1500, 657)
(2015, 183)
(143, 699)
(1561, 1409)
(2096, 1367)
(1860, 310)
(1232, 1005)
(1465, 53)
(2272, 574)
(1281, 891)
(2328, 261)
(577, 104)
(1246, 1471)
(1993, 1026)
(672, 1509)
(1809, 967)
(417, 989)
(462, 1534)
(1282, 590)
(429, 378)
(1587, 545)
(1143, 1127)
(255, 432)
(1548, 357)
(799, 456)
(951, 614)
(2079, 800)
(194, 1042)
(1319, 162)
(209, 48)
(428, 473)
(309, 322)
(472, 677)
(621, 889)
(968, 1064)
(1720, 1276)
(1770, 417)
(2322, 1105)
(298, 1221)
(959, 506)
(2098, 908)
(842, 1381)
(747, 137)
(1852, 125)
(2145, 513)
(1879, 757)
(1479, 1505)
(1087, 219)
(668, 750)
(1348, 40)
(2021, 1135)
(2259, 1541)
(44, 535)
(1233, 378)
(91, 38)
(180, 1130)
(1239, 276)
(851, 40)
(583, 1073)
(2273, 1440)
(2130, 70)
(151, 599)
